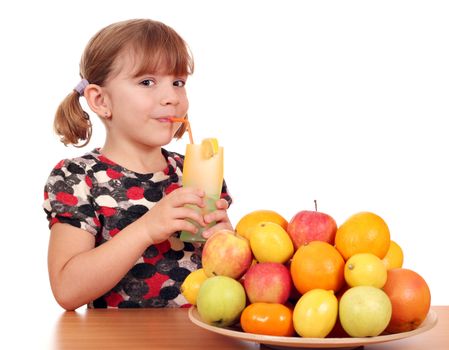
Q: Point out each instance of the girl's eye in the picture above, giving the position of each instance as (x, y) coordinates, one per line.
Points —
(179, 83)
(147, 82)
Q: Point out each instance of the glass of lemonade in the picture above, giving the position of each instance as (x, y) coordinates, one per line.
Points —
(203, 168)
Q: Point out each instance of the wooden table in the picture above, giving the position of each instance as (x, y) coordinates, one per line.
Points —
(171, 329)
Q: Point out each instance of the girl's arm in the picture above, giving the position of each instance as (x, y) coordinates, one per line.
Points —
(80, 272)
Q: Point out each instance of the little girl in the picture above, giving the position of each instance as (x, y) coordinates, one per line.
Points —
(115, 213)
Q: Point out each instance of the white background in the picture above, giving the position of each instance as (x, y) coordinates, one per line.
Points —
(340, 101)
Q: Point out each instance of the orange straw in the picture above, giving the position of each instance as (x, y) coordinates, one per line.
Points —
(186, 121)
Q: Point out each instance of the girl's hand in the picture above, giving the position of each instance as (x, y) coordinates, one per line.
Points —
(169, 214)
(220, 216)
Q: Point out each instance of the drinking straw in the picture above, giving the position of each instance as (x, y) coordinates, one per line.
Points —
(185, 121)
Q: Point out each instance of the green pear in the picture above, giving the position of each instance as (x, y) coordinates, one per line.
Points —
(220, 301)
(364, 311)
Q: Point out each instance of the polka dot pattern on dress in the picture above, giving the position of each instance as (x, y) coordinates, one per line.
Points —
(97, 195)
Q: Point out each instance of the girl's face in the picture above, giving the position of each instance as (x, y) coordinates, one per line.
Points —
(140, 106)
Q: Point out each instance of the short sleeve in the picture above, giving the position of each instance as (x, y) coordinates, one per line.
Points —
(67, 197)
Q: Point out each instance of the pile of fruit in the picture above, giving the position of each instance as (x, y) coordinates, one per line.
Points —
(307, 277)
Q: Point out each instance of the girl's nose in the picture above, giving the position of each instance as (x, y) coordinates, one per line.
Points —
(169, 96)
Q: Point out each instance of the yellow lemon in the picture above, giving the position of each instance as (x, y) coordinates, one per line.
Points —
(394, 257)
(249, 222)
(271, 243)
(192, 284)
(365, 269)
(209, 147)
(315, 313)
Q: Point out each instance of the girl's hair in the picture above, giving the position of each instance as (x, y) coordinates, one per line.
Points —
(155, 45)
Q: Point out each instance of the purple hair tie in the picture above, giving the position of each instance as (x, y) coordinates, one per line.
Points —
(81, 86)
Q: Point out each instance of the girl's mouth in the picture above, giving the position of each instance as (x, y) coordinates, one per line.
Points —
(164, 120)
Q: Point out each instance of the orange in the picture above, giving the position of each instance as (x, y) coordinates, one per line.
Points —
(249, 222)
(363, 232)
(317, 265)
(410, 298)
(268, 319)
(394, 257)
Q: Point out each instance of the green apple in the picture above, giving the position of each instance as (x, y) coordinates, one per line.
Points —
(220, 301)
(365, 311)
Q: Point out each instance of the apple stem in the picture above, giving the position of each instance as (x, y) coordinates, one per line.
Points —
(316, 205)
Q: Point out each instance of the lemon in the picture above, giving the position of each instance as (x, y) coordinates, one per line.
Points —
(315, 313)
(209, 147)
(365, 269)
(192, 284)
(271, 243)
(394, 257)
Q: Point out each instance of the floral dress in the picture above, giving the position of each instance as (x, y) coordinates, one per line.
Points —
(97, 195)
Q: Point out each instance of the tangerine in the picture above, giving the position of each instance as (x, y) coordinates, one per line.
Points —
(317, 265)
(363, 232)
(268, 319)
(249, 222)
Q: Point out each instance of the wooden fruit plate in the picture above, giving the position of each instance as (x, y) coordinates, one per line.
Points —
(306, 343)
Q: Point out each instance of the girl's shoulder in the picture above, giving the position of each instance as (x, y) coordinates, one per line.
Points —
(80, 165)
(95, 168)
(99, 168)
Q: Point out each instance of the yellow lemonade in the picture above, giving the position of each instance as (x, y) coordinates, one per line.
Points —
(203, 168)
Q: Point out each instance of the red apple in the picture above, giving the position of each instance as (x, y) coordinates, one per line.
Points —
(410, 299)
(268, 282)
(307, 226)
(226, 254)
